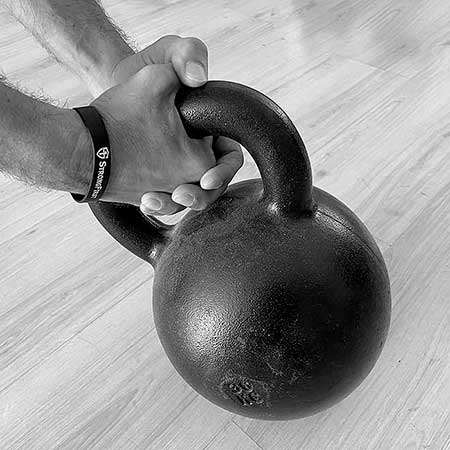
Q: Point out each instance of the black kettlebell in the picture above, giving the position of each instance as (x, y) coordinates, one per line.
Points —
(274, 302)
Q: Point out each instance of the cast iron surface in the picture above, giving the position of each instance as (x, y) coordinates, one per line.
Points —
(273, 303)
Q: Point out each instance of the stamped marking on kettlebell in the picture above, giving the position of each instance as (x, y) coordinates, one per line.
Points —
(244, 391)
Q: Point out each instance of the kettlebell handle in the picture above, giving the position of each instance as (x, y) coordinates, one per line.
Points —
(222, 108)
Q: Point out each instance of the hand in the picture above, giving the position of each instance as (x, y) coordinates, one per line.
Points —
(189, 58)
(150, 148)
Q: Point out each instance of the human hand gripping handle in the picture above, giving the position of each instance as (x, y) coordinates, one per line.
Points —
(242, 114)
(150, 150)
(80, 35)
(189, 58)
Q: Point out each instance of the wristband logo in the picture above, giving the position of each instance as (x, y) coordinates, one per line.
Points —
(103, 153)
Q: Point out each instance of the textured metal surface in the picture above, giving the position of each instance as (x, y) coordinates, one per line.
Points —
(274, 302)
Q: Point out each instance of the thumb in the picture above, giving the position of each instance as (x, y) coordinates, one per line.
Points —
(189, 57)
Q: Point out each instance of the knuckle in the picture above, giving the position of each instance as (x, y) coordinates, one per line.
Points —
(170, 39)
(193, 43)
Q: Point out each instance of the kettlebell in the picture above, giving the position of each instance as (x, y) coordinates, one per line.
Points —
(274, 302)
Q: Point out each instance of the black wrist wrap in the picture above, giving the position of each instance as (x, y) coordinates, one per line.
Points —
(101, 154)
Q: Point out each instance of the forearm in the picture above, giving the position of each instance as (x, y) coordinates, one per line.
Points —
(77, 33)
(42, 144)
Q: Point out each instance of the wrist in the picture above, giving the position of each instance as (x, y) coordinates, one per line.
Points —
(79, 163)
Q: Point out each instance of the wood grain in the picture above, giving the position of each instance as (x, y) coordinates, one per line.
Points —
(367, 85)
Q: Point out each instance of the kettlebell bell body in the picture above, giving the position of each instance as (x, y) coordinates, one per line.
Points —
(274, 302)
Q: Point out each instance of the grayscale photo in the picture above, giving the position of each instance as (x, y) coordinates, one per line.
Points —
(224, 225)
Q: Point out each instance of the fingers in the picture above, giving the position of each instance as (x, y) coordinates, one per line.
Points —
(159, 203)
(189, 57)
(229, 161)
(212, 184)
(215, 181)
(194, 197)
(184, 196)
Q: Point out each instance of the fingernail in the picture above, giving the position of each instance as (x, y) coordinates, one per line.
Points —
(184, 199)
(211, 183)
(152, 203)
(195, 71)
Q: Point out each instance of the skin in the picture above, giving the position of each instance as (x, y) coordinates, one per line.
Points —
(181, 51)
(49, 146)
(171, 170)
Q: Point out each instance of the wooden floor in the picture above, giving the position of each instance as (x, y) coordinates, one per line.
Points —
(368, 85)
